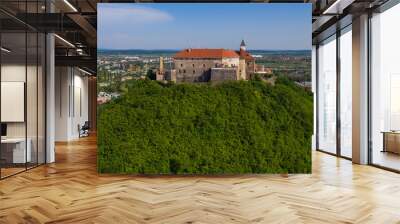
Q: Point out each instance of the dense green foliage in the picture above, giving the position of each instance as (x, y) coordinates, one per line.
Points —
(151, 75)
(230, 128)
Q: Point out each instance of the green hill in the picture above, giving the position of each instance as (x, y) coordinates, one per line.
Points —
(230, 128)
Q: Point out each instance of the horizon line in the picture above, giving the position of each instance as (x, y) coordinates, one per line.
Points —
(171, 49)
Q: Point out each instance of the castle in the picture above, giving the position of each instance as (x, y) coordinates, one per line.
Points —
(204, 65)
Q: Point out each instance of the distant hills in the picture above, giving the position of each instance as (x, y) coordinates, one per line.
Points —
(141, 52)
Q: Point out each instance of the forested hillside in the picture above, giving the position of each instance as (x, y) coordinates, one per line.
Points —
(229, 128)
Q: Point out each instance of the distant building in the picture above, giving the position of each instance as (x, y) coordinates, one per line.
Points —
(203, 65)
(260, 69)
(133, 68)
(305, 84)
(126, 78)
(103, 97)
(163, 74)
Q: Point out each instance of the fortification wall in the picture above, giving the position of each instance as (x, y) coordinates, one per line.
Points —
(223, 74)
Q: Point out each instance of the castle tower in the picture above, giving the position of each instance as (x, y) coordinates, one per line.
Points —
(242, 46)
(161, 65)
(242, 61)
(242, 69)
(160, 75)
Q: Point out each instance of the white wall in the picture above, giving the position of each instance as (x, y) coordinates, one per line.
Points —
(12, 73)
(385, 89)
(314, 90)
(346, 75)
(62, 82)
(71, 102)
(13, 101)
(33, 126)
(327, 95)
(230, 61)
(80, 110)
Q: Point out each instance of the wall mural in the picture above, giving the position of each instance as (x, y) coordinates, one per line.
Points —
(204, 89)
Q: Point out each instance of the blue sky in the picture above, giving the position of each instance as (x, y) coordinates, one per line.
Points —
(177, 26)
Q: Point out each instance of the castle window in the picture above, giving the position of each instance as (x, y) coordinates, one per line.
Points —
(204, 65)
(181, 65)
(184, 71)
(193, 65)
(194, 71)
(179, 71)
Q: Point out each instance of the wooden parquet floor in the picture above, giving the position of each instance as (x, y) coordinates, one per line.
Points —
(71, 191)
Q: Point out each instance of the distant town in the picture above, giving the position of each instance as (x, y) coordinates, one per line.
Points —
(116, 67)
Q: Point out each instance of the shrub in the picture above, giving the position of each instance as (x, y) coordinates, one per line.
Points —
(230, 128)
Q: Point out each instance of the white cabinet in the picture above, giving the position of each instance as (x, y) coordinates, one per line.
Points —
(19, 155)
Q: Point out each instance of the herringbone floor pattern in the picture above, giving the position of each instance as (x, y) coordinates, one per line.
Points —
(71, 191)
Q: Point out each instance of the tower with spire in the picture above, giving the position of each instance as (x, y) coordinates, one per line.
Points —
(242, 46)
(242, 61)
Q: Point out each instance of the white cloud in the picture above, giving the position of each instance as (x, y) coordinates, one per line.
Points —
(115, 16)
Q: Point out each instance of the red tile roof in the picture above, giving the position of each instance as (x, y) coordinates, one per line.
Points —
(246, 55)
(206, 53)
